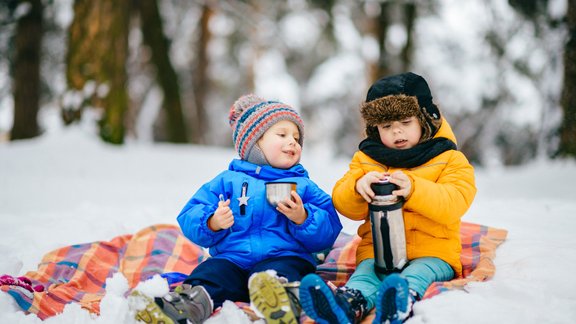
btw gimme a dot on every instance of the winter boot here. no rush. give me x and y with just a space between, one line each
324 306
147 309
186 304
394 300
293 292
269 297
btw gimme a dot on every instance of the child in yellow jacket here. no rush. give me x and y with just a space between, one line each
410 144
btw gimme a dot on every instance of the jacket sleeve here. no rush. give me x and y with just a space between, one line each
321 228
446 200
193 218
347 200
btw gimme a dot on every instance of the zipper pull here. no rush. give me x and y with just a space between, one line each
243 200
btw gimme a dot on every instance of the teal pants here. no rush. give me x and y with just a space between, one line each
420 274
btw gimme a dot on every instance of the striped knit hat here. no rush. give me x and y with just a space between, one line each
251 116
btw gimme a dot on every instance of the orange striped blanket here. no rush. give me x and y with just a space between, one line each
78 273
479 245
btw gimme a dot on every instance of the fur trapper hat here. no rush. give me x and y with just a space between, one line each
398 97
250 117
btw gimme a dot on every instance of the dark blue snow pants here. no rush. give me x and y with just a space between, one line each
225 280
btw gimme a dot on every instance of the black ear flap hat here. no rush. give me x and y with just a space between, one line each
398 97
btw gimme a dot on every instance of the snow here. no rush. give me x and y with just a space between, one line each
67 187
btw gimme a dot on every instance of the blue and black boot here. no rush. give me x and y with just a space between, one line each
345 305
394 300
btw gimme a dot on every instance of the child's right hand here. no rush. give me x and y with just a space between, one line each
222 218
363 184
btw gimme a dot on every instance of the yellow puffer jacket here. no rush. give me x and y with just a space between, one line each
442 191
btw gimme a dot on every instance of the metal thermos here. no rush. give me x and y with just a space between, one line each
388 234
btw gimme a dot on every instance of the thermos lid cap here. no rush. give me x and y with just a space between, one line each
383 188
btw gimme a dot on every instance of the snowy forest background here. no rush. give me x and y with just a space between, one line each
168 71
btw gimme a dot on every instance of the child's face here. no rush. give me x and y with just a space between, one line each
401 134
280 145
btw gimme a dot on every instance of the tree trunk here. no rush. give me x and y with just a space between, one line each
116 103
379 28
254 37
568 101
96 64
79 66
410 15
200 82
154 37
28 40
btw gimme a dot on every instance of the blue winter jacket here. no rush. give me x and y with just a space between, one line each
260 232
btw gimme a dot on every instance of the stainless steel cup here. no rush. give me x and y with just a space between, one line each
279 191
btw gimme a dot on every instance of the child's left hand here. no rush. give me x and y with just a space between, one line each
400 179
293 208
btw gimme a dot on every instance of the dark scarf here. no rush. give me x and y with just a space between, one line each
409 158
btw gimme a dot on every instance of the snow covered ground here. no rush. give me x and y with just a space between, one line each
67 187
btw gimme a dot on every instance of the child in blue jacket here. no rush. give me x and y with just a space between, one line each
245 234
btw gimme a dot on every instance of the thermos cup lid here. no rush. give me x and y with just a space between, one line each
383 188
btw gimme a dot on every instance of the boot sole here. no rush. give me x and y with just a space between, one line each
392 304
152 313
270 298
318 302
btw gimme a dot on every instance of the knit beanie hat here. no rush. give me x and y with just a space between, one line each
398 97
250 117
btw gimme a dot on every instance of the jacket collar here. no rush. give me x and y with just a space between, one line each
267 172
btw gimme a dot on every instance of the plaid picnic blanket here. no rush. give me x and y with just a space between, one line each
78 273
479 243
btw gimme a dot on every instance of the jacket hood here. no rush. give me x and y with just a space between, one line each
445 131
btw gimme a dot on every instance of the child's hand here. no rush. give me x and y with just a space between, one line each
293 208
222 218
363 184
400 179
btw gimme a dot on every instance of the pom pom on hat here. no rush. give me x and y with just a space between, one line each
397 97
251 116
